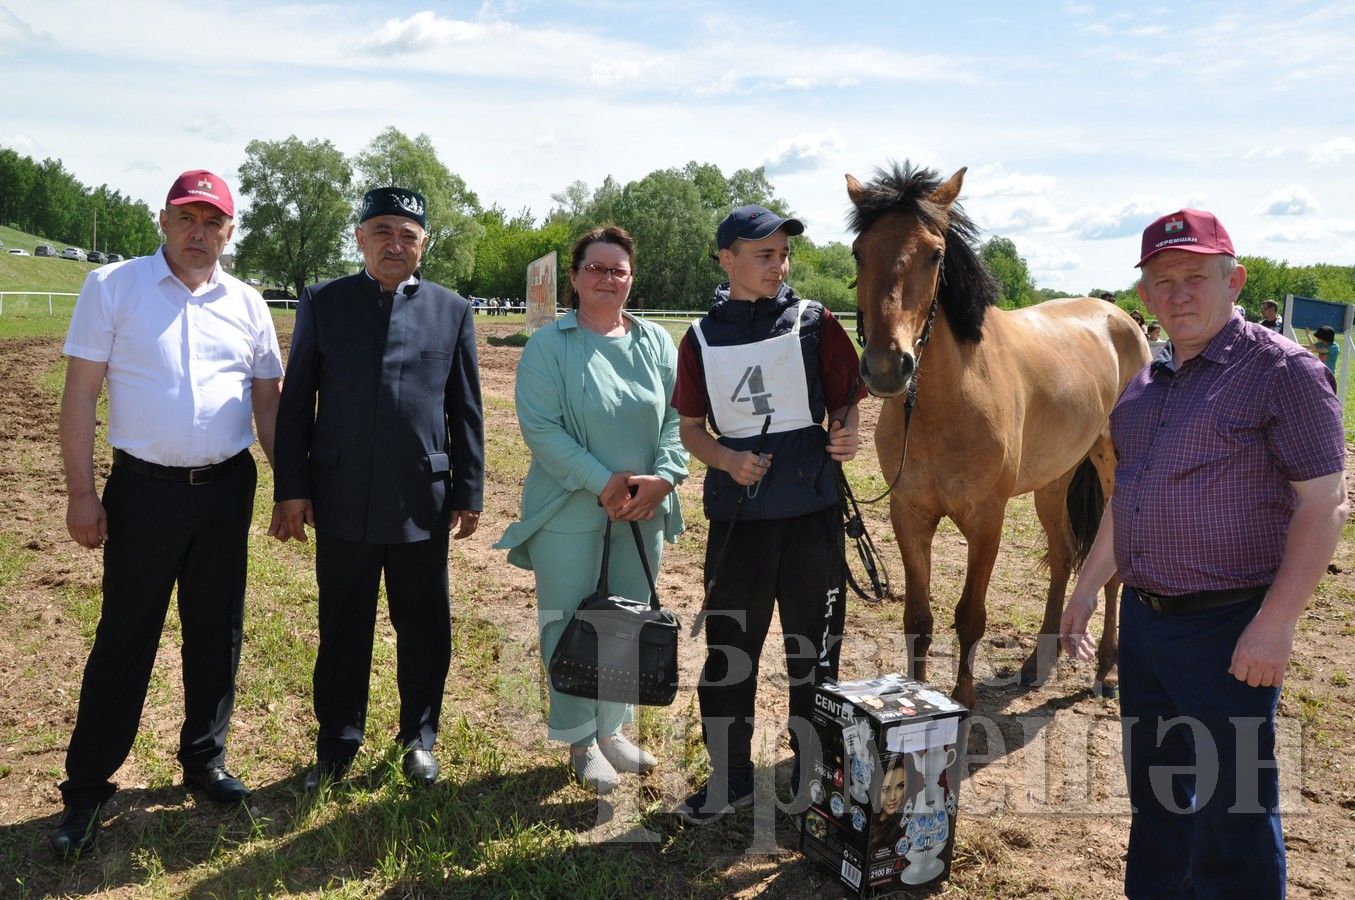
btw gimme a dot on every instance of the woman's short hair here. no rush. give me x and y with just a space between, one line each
603 234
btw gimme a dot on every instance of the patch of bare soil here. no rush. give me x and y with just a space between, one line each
1042 811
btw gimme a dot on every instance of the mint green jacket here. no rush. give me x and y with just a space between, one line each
565 478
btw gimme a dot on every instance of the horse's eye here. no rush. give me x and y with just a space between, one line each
856 256
937 256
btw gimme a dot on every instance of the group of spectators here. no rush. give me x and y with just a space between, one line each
497 306
376 440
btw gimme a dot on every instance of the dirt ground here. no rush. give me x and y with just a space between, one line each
1042 810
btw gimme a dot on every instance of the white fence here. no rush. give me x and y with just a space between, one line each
20 302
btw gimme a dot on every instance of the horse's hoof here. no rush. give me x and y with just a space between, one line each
1031 675
1105 690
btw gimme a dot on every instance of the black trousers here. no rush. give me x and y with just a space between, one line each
795 564
348 574
163 533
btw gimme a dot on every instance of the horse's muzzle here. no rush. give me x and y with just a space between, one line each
887 374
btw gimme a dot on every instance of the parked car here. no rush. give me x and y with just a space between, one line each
114 257
44 250
95 256
17 251
74 253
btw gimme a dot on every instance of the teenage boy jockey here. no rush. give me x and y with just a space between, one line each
764 359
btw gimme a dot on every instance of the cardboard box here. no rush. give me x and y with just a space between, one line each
885 782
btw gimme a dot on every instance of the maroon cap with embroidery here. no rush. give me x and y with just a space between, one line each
201 186
1192 230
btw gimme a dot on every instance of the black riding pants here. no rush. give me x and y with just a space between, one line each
796 565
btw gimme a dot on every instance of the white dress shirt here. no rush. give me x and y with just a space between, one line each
181 363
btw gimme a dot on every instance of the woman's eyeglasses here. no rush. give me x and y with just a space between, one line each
600 270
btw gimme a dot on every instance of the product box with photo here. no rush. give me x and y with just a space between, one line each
884 782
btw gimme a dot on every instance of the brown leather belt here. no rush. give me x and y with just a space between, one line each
190 474
1199 600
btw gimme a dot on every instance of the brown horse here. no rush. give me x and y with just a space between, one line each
1007 402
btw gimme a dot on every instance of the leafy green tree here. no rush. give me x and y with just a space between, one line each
54 200
17 176
674 235
393 158
298 215
508 246
823 273
1009 268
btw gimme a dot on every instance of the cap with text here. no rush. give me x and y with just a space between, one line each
1192 230
752 223
394 201
201 186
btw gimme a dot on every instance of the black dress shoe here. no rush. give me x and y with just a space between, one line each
76 831
420 767
218 784
326 770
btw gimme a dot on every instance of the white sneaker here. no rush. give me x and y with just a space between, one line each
625 756
591 768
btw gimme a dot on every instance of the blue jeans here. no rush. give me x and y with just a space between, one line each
1199 757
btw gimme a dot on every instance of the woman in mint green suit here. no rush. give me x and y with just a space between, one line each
592 395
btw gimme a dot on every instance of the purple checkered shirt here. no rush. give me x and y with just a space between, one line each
1206 456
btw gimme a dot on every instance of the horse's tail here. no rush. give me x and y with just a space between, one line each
1086 502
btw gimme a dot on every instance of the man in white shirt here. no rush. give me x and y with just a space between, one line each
188 353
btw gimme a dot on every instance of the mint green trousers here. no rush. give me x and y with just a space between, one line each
566 566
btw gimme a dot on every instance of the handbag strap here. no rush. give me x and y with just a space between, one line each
644 562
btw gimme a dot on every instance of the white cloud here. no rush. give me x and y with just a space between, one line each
1264 152
1294 200
1008 218
1104 224
993 180
1309 231
15 31
804 152
1046 259
547 140
427 30
209 127
21 144
1332 151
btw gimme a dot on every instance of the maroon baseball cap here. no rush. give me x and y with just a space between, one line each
201 186
1192 230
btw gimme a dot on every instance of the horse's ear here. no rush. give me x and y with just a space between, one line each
855 190
947 193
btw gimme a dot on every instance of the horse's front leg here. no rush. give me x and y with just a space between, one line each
914 531
971 618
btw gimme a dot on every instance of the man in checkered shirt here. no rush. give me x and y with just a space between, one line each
1229 501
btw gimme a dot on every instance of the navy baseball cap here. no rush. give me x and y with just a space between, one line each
752 223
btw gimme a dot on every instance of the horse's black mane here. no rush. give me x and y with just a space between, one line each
967 288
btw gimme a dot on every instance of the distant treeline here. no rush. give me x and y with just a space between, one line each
299 201
42 198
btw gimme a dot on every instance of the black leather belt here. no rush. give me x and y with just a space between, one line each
1200 599
189 474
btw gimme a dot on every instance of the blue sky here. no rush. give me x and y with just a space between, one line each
1080 122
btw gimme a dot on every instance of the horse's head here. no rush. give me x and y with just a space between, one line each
913 248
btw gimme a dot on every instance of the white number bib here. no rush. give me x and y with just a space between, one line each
748 382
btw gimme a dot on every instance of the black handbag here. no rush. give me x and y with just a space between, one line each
619 649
